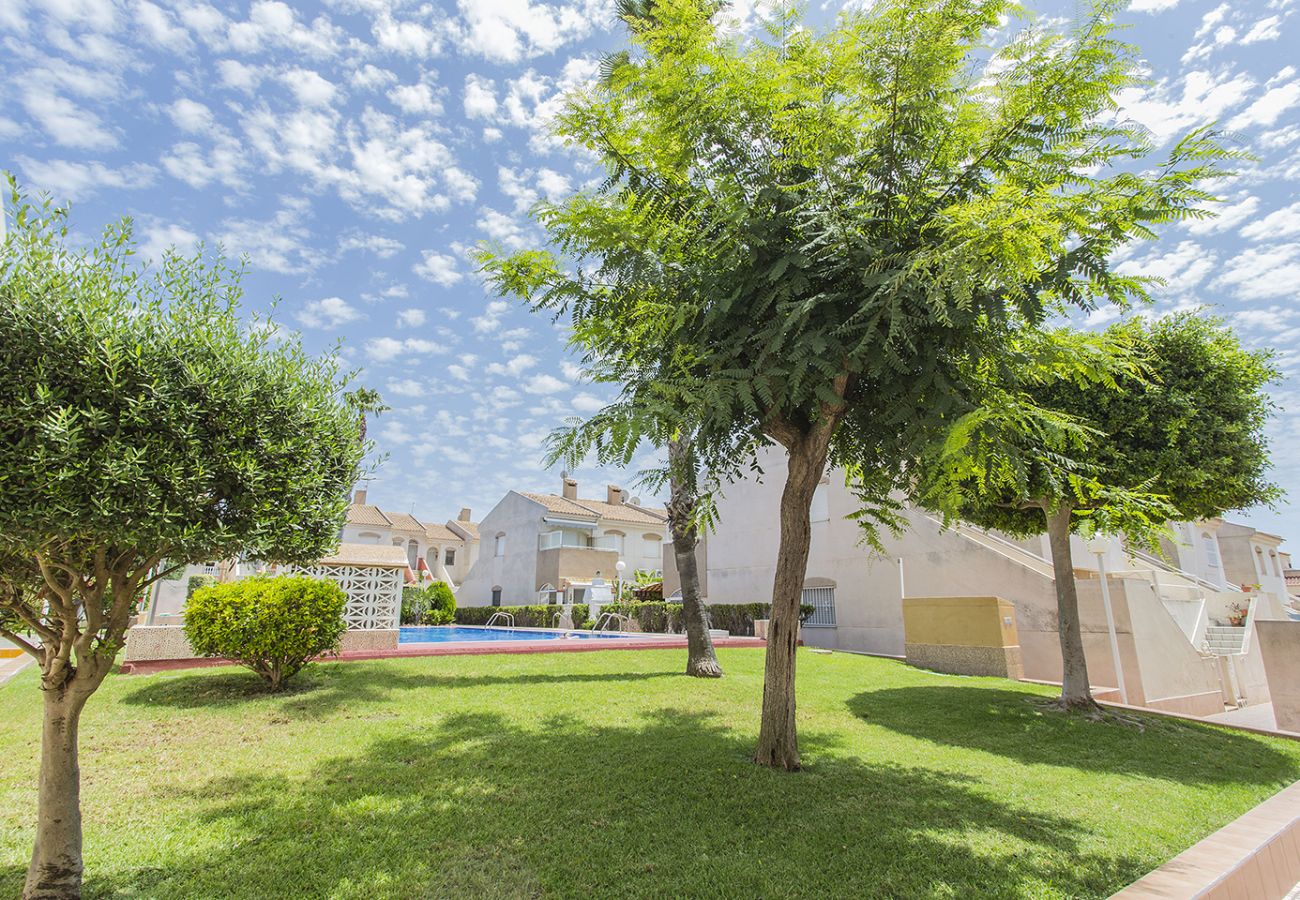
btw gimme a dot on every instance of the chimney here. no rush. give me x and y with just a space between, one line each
613 495
464 514
569 489
359 498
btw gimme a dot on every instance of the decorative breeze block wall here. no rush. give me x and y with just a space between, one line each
374 593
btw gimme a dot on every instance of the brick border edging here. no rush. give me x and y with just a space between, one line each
452 648
1256 855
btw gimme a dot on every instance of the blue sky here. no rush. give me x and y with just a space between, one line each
356 149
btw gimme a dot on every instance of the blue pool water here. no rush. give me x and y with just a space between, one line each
442 634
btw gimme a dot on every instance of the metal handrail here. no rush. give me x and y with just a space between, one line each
508 617
618 619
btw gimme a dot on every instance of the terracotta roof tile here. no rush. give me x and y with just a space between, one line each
561 505
441 533
622 512
364 514
405 521
379 555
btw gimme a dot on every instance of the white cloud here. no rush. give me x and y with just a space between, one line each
490 319
405 387
1182 267
383 247
1263 272
440 268
68 180
1152 6
480 97
1266 109
508 30
329 312
309 87
1229 216
370 77
156 237
459 371
67 123
394 432
415 99
515 366
411 318
387 349
544 384
587 403
240 76
272 24
279 244
407 38
1168 108
1281 223
160 27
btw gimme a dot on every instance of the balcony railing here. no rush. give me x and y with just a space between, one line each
553 540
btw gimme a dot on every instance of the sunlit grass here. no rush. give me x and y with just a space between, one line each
608 774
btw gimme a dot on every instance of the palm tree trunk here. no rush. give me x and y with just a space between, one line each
1075 691
701 659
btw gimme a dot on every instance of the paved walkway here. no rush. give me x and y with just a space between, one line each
1258 716
11 666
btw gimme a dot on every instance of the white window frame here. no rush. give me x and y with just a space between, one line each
823 598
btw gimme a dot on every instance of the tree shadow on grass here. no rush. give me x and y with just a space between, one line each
670 806
1022 727
321 688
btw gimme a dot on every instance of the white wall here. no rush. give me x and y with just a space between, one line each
520 519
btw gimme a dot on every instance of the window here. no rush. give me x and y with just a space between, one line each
1211 550
616 541
1276 569
413 554
496 596
369 537
431 558
500 549
822 600
450 558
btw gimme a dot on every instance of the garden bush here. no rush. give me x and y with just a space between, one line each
274 626
535 616
431 604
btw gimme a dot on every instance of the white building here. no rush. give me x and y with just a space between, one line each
1179 649
443 552
546 548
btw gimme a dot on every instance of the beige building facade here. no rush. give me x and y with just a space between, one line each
434 551
549 548
1178 647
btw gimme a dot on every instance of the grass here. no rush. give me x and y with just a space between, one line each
608 774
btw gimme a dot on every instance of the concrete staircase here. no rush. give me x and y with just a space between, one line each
1224 640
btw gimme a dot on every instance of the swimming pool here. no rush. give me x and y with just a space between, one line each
445 634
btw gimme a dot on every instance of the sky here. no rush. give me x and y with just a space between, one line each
355 151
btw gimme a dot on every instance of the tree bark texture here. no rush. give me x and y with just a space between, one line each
1075 691
778 744
701 659
55 870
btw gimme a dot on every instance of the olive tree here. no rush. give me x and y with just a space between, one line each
1171 427
144 425
812 239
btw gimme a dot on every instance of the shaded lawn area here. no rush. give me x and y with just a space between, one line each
608 774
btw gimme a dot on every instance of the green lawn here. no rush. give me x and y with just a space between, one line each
608 774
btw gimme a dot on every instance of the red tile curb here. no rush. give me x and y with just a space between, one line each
451 648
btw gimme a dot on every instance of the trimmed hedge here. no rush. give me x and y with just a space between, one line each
271 625
431 604
657 618
536 616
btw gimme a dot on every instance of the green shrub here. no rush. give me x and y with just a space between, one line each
738 618
198 582
274 626
535 616
431 604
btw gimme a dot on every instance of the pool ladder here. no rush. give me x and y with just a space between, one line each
620 621
506 617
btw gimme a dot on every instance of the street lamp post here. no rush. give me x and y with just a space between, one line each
620 567
1098 546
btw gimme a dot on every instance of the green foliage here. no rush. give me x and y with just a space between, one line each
1175 431
532 616
142 418
274 626
431 604
198 582
817 238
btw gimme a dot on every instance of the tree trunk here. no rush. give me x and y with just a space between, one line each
778 745
55 870
701 660
1075 691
